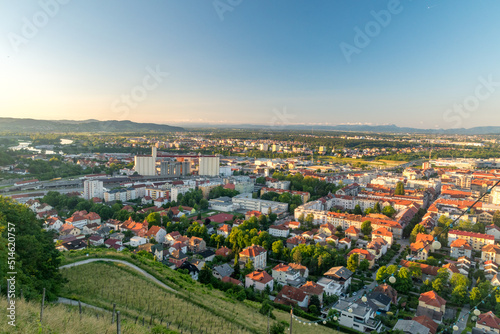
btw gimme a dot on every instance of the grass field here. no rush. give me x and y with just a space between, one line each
103 284
378 163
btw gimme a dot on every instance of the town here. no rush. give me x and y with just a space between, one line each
391 235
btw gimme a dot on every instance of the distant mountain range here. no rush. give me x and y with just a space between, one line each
391 128
90 125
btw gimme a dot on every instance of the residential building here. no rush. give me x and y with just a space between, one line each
93 188
222 271
259 279
476 240
432 305
209 166
488 322
279 231
290 295
459 248
491 253
255 253
359 316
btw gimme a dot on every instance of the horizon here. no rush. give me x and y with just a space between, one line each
425 65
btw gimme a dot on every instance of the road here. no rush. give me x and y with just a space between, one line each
143 272
67 301
462 323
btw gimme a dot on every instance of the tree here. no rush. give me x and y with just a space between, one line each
459 294
154 218
277 328
36 258
314 301
205 275
416 230
400 189
438 285
381 274
388 210
364 265
415 270
496 218
352 262
475 296
403 280
366 227
377 208
301 218
458 279
277 248
357 210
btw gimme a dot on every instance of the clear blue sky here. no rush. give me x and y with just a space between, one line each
264 55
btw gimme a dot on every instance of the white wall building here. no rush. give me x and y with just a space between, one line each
93 188
209 166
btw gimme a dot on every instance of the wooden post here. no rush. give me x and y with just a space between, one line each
43 302
113 315
118 326
291 319
80 309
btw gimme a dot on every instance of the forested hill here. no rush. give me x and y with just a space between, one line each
92 125
35 256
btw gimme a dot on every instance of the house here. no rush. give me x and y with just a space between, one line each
136 241
308 235
359 316
69 229
320 237
76 244
77 220
452 269
96 240
114 224
252 213
293 225
387 290
459 248
293 242
491 253
139 229
427 322
488 322
476 240
420 249
178 246
172 237
352 232
377 247
279 231
93 218
493 230
464 264
224 230
53 223
380 299
91 229
193 271
222 271
157 233
231 280
490 268
206 255
411 327
223 251
177 258
303 270
290 295
159 251
328 229
259 279
256 254
383 233
340 275
313 289
284 274
432 305
495 281
363 254
196 245
115 244
332 239
344 243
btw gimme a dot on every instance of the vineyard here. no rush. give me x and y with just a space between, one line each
194 308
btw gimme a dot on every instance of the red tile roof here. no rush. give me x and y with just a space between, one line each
471 234
260 276
489 319
432 298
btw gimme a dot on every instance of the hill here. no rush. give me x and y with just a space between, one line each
8 124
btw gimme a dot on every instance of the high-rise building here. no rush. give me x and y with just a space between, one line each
209 166
93 188
146 164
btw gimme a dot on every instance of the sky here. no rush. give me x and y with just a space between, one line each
420 63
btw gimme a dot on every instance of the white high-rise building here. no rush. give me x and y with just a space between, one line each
209 166
146 164
93 188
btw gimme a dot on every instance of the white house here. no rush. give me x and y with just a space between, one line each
157 233
137 241
279 231
283 273
259 279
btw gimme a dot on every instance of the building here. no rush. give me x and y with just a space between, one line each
363 254
146 165
286 275
459 248
209 166
488 322
93 188
259 279
246 202
411 327
222 271
175 168
359 316
256 254
432 305
476 240
491 253
340 275
279 231
290 295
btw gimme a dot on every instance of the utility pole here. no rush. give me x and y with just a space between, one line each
291 319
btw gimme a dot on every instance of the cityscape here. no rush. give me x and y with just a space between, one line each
250 167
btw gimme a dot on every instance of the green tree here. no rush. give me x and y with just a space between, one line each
381 274
357 210
277 248
377 208
475 296
438 285
314 301
400 189
459 294
154 218
277 328
403 280
36 258
458 279
366 227
388 210
205 275
352 262
364 265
